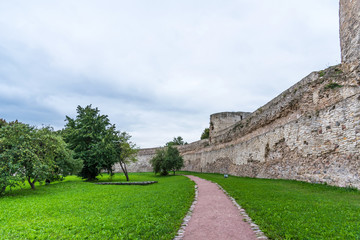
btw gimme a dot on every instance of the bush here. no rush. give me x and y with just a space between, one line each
205 134
167 159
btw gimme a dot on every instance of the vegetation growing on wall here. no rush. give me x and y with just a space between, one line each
332 85
205 134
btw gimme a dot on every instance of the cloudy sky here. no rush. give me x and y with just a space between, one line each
157 68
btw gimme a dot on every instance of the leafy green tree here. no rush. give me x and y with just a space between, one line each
22 154
173 160
205 134
32 155
9 157
167 159
89 136
176 141
2 122
97 142
55 147
157 162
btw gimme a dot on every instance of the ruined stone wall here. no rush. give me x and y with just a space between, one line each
143 161
350 30
310 132
221 121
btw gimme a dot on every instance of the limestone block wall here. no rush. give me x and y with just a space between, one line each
350 30
221 121
143 161
310 132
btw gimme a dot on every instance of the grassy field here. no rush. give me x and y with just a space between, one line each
74 209
295 210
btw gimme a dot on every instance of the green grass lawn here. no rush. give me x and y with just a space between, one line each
74 209
295 210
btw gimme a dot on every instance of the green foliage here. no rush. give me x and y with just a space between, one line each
173 160
2 122
157 162
33 155
90 135
321 73
10 151
332 85
295 210
167 159
97 142
205 134
338 71
73 209
176 141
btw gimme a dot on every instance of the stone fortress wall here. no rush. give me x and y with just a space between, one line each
221 121
349 30
310 132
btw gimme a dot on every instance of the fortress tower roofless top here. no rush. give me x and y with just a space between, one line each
350 31
349 14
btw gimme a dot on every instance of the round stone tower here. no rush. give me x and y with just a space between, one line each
350 31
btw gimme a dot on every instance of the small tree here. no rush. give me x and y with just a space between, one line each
167 159
157 162
176 141
126 152
173 160
205 134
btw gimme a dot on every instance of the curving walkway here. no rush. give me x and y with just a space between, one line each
215 216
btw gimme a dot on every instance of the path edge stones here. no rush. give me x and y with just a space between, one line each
180 234
259 234
181 231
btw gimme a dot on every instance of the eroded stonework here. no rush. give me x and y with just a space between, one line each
350 30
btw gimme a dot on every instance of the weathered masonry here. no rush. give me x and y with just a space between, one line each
350 30
310 132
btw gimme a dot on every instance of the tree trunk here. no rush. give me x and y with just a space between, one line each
32 183
3 189
126 174
124 170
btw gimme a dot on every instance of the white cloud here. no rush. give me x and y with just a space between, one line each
158 68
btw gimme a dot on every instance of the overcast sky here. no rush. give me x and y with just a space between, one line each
158 69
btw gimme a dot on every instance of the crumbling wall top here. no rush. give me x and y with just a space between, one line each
349 13
220 121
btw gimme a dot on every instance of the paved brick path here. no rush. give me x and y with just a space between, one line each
215 216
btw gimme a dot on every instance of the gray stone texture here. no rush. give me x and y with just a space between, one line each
350 30
219 122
